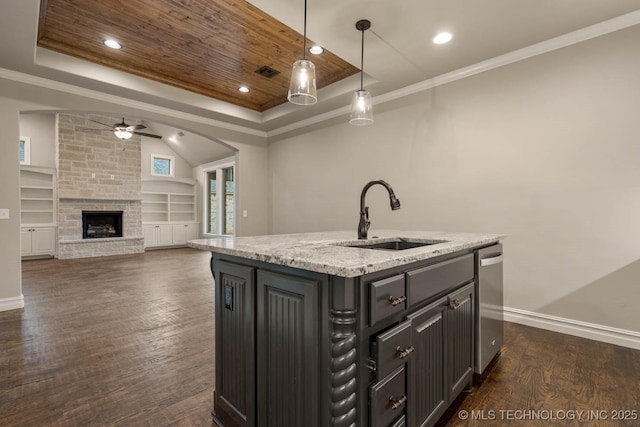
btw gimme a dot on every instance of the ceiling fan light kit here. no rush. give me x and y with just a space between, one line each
122 132
302 86
125 131
362 103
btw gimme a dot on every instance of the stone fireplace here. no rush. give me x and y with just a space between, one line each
98 178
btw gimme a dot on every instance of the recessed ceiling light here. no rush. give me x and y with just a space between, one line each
111 43
442 38
316 50
243 89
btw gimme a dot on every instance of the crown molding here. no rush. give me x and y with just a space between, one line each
615 24
101 96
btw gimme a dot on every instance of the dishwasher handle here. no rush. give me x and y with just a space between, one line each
484 262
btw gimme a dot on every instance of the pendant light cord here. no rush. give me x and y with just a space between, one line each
361 63
304 40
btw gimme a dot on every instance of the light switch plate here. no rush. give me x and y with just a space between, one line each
4 213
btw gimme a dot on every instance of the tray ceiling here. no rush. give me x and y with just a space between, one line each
210 47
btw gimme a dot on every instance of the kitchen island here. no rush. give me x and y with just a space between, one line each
324 329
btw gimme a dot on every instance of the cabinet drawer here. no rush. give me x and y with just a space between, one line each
388 400
393 349
386 297
427 282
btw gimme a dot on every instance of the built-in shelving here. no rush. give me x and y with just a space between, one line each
168 211
37 195
38 230
168 200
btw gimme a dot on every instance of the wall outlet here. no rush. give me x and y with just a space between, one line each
113 177
244 214
4 213
93 175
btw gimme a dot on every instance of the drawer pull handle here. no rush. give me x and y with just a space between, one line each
404 352
397 301
454 304
397 403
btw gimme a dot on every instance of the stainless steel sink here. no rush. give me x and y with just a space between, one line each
399 244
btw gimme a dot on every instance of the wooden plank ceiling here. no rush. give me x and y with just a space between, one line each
210 47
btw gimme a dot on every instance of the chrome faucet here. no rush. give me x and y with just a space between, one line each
364 224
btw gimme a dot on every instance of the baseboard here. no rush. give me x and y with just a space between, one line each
621 337
12 303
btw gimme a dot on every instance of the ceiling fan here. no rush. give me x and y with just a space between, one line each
125 131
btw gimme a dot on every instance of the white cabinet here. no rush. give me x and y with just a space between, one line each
182 233
173 234
157 235
168 211
38 241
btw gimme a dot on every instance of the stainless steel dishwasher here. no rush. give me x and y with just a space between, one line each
489 303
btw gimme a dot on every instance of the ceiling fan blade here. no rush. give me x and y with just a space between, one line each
138 127
150 135
94 130
100 123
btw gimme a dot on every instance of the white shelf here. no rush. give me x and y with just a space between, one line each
37 195
165 200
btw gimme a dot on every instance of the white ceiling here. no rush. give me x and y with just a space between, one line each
398 48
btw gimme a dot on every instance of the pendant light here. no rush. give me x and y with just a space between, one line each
362 104
302 86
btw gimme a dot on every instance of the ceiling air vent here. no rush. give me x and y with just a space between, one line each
267 72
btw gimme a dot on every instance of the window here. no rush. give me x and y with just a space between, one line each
220 197
25 150
162 165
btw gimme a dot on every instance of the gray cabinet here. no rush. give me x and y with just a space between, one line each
460 333
296 348
234 399
432 343
287 326
427 389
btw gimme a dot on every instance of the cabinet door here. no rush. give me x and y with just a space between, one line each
165 235
426 378
192 231
25 241
234 401
150 235
287 325
43 240
460 311
180 233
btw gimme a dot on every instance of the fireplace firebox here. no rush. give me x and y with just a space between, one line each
101 224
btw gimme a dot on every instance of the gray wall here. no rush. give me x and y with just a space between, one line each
41 128
545 150
150 146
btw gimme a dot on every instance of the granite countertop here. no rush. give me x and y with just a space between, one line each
326 252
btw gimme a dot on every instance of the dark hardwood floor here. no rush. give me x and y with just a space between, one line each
128 341
561 379
122 340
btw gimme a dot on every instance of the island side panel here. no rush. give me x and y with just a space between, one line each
287 326
234 396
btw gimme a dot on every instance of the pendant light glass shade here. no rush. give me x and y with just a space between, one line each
302 86
362 104
361 108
